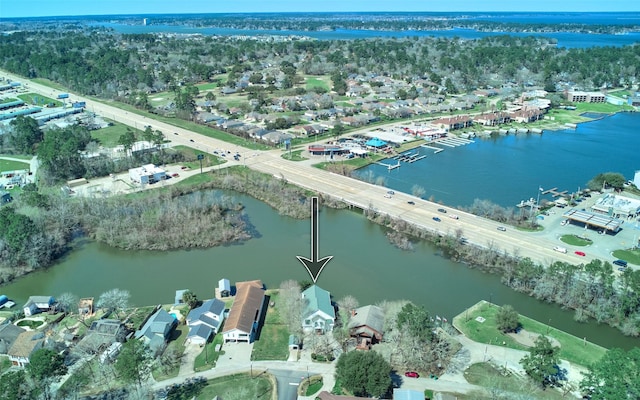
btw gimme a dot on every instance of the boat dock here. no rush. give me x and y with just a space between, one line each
389 166
436 150
554 192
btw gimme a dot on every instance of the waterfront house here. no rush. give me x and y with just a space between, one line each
246 313
8 334
24 346
224 287
492 119
205 321
366 326
452 123
38 304
157 330
319 315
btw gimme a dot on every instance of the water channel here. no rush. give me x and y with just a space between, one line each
365 265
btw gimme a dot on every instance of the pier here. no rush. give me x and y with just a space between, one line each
436 150
389 166
554 192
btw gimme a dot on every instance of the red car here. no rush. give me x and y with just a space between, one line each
175 175
580 253
411 374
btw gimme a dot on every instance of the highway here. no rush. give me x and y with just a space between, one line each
477 231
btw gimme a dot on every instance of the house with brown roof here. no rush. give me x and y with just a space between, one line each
8 334
246 312
452 123
24 346
366 325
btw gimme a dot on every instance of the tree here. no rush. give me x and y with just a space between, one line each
127 140
46 367
338 130
67 302
190 298
507 319
417 191
114 300
614 376
416 321
291 305
607 180
541 364
133 364
32 197
364 373
13 386
25 134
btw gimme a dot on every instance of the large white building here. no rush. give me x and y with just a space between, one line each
147 174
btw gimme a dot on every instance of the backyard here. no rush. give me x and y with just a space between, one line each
273 343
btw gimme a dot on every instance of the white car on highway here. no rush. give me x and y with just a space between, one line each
560 249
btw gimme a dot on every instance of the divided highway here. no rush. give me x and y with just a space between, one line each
478 231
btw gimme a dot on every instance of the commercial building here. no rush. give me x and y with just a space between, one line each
147 174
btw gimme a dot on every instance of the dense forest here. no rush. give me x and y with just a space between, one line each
110 65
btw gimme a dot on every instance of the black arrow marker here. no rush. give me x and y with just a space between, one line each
313 265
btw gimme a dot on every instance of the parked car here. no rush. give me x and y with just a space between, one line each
501 228
453 216
391 192
411 374
437 219
580 253
411 202
442 210
621 263
560 249
175 175
386 195
564 222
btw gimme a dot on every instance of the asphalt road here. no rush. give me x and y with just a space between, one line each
478 231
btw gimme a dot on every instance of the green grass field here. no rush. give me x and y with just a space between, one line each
177 344
488 376
207 86
209 356
109 136
632 256
192 126
239 386
317 81
575 240
10 165
573 349
38 100
274 337
294 156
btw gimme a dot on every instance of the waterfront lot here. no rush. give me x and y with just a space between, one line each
573 349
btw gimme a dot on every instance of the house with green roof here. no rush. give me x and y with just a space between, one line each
319 315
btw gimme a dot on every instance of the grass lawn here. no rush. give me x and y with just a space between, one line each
239 386
192 126
294 156
630 256
207 86
209 356
273 343
137 315
576 240
38 99
572 349
109 136
316 81
18 156
488 376
191 153
51 84
10 165
176 343
311 386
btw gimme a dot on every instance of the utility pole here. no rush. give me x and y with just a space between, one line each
200 157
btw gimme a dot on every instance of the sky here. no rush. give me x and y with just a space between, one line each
40 8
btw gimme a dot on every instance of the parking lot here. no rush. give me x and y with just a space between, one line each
603 244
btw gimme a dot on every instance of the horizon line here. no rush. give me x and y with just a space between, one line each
323 12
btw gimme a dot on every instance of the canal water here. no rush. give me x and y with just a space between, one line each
365 265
